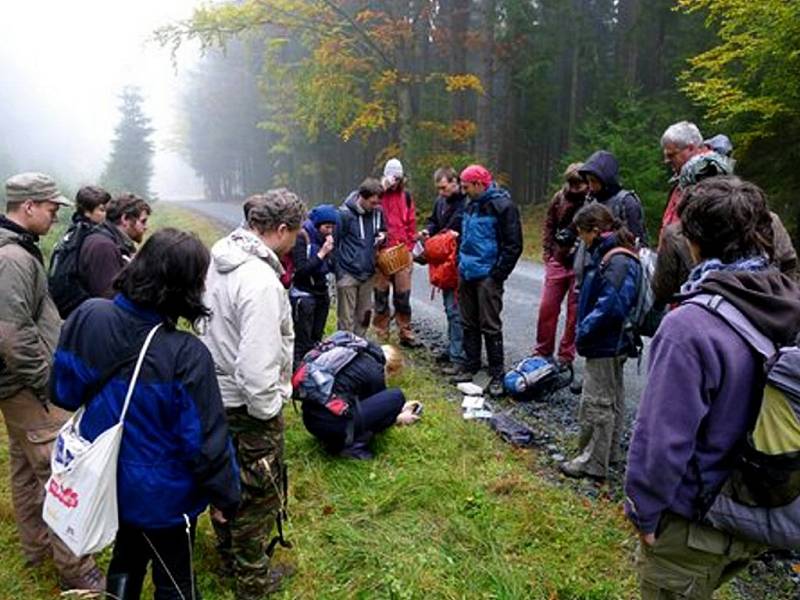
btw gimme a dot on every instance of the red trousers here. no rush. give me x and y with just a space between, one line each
559 281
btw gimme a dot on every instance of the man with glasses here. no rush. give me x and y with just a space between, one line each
447 212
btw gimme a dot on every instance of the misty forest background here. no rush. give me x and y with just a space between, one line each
317 94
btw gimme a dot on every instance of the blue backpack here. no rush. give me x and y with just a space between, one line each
534 378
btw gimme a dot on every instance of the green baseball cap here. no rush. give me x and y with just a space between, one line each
37 187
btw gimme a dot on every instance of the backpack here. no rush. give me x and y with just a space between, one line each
314 378
617 207
63 278
645 317
534 378
760 500
440 252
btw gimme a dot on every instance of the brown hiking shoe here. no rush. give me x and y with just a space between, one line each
94 580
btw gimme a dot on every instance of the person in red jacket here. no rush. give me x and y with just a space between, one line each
401 225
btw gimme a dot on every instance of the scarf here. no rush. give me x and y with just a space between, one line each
701 271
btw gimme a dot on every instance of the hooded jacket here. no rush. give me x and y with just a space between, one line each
608 294
623 204
355 239
103 255
703 393
491 238
560 212
176 456
29 321
447 214
250 333
311 271
400 213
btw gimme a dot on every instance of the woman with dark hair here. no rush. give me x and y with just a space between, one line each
176 456
705 386
608 293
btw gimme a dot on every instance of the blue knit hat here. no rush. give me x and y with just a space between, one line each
323 213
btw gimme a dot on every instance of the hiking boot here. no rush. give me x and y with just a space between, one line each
409 341
576 387
575 471
277 575
463 376
442 357
94 580
496 388
454 369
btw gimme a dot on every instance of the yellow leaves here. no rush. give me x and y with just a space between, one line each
373 116
462 83
456 131
385 81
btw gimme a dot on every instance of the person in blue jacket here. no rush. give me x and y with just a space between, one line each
608 294
491 244
176 456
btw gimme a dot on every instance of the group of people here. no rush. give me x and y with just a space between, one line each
205 427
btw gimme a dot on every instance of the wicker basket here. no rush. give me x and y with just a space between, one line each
394 259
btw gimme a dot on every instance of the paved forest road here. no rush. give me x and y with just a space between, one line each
521 305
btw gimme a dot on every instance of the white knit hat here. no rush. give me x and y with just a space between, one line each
393 168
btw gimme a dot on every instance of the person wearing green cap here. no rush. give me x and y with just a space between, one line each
29 328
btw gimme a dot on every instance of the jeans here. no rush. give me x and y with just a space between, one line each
455 333
309 314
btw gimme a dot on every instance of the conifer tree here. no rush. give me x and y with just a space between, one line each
130 165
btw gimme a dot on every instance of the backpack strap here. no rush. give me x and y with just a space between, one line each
717 305
617 250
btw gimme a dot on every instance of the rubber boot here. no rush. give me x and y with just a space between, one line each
495 355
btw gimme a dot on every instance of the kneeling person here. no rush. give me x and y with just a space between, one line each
345 399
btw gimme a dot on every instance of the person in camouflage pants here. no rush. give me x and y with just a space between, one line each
253 346
246 543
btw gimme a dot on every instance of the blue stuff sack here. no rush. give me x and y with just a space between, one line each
531 379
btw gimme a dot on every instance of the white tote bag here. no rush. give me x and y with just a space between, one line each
80 503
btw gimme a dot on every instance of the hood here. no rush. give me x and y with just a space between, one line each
493 192
770 299
240 246
603 165
352 203
313 233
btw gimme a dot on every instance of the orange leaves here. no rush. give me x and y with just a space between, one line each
457 131
373 116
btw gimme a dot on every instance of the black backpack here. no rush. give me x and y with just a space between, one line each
63 279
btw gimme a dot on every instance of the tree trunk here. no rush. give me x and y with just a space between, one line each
484 140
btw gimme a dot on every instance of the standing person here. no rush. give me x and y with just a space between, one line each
559 279
679 143
491 244
607 295
361 231
401 228
113 243
448 209
29 327
704 390
65 280
313 259
601 171
176 455
251 339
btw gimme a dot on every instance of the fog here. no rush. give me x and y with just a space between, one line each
62 66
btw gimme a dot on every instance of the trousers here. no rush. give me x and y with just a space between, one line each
353 304
309 314
559 282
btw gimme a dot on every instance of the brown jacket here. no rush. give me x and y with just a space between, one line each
29 321
675 260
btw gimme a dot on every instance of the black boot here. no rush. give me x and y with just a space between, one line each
494 352
472 350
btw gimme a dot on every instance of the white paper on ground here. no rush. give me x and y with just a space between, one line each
469 389
479 413
472 402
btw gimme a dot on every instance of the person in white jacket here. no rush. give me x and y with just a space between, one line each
251 338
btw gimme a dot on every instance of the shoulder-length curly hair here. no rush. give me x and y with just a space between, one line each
167 275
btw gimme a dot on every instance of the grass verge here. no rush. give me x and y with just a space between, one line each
444 511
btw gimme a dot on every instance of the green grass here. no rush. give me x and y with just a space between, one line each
444 511
532 220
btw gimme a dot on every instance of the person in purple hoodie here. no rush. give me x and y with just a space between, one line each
703 392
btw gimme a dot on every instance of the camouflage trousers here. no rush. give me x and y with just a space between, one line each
246 543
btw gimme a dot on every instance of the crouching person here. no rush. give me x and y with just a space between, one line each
607 295
251 338
176 455
345 399
704 390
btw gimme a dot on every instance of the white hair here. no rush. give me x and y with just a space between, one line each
682 134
